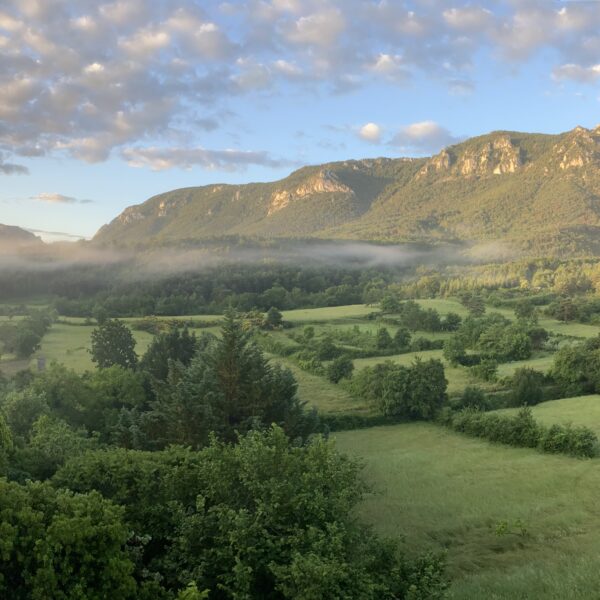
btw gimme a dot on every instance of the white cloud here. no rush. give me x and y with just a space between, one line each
577 73
319 29
423 137
54 198
86 78
469 18
371 132
94 68
392 67
160 159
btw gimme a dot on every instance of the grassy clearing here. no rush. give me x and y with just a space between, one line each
326 397
329 313
69 344
541 363
579 410
444 306
445 491
578 330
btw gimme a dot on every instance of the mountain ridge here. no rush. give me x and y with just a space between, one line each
12 236
539 193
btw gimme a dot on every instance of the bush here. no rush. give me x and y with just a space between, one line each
486 370
523 431
472 397
527 387
566 439
340 368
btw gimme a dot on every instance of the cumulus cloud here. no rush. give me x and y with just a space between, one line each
577 73
423 137
370 132
54 198
159 159
87 78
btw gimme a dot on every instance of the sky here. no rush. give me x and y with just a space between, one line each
103 105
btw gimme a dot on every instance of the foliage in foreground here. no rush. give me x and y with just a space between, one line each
264 518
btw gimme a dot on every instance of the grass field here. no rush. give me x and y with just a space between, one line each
317 391
580 410
329 313
444 306
69 344
444 491
541 363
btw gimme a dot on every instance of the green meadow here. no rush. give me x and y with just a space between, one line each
515 523
580 410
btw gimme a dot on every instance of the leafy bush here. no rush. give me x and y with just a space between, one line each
522 430
340 368
567 439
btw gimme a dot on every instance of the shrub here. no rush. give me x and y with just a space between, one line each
523 431
527 387
340 368
566 439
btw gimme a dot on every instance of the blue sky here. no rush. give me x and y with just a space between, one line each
103 105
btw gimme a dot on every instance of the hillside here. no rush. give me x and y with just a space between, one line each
534 193
12 237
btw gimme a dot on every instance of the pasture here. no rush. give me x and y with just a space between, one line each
580 410
515 523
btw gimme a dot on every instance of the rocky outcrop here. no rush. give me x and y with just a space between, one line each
130 215
495 157
440 162
580 148
322 183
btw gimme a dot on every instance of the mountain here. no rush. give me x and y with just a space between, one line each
531 193
12 237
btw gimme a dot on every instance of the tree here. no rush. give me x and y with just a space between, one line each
6 445
113 344
473 303
177 345
524 309
566 310
51 443
326 349
389 304
526 387
451 322
576 369
229 386
383 339
415 392
486 370
473 398
26 342
427 388
341 367
455 350
273 319
57 544
402 338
